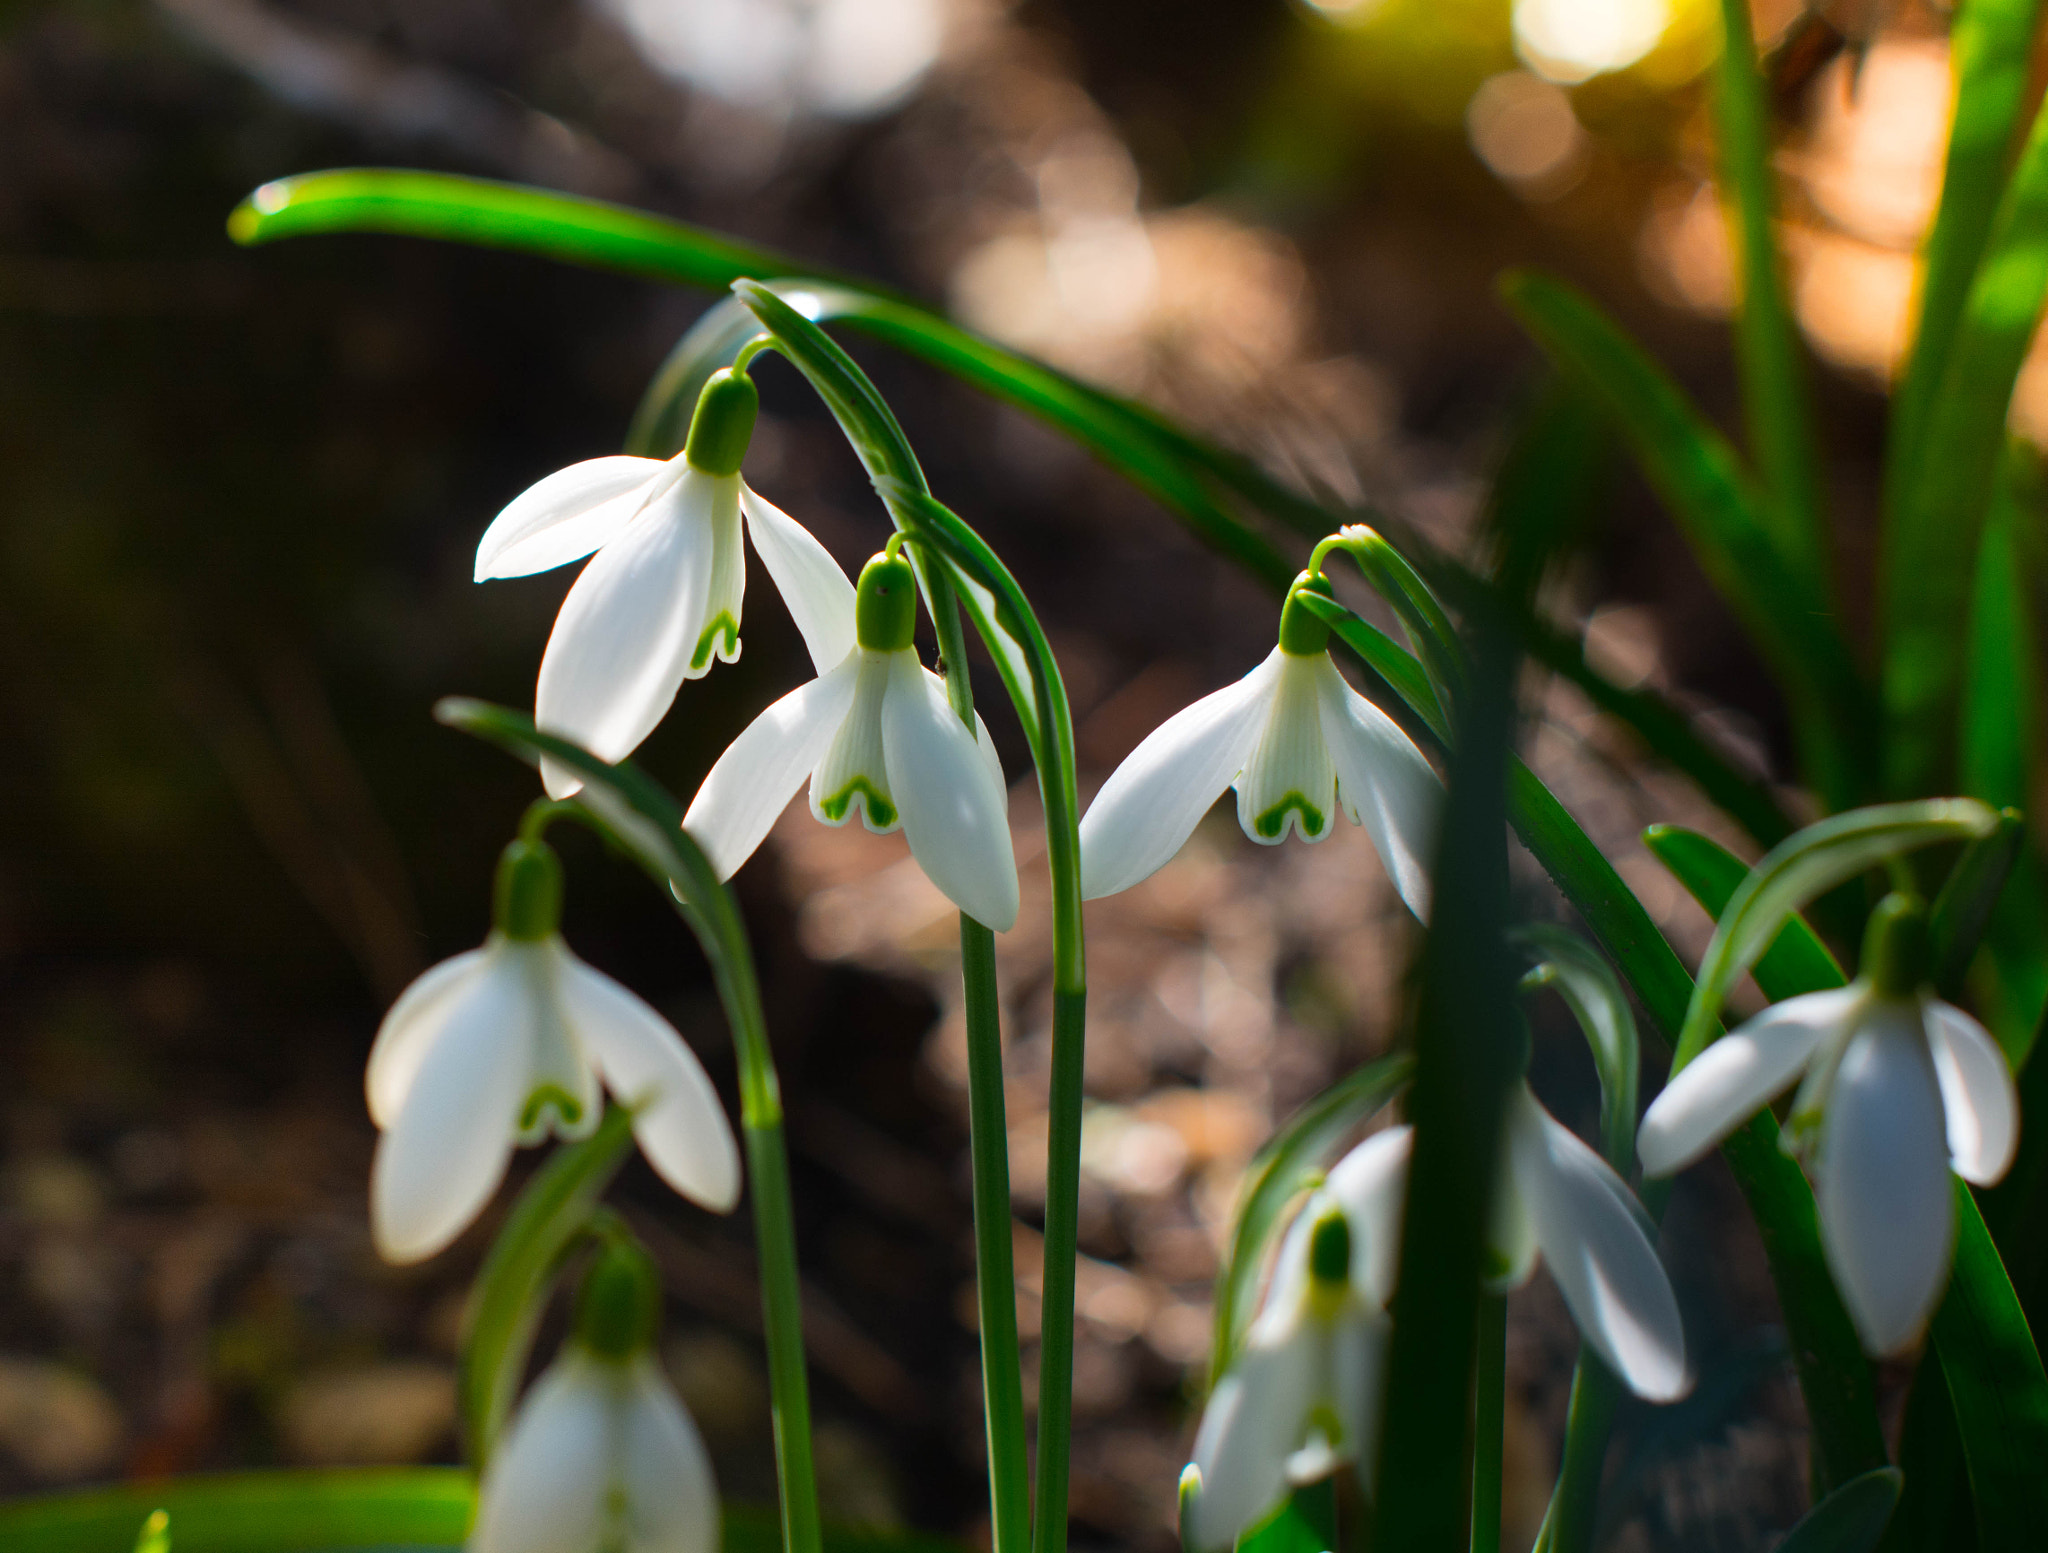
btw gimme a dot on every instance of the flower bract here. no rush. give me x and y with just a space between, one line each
876 736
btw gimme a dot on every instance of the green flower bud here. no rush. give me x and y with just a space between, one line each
723 424
528 901
885 605
1896 952
618 1309
1302 635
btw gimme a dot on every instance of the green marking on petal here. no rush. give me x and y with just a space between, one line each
1494 1267
567 1108
879 810
724 626
1274 820
1323 1420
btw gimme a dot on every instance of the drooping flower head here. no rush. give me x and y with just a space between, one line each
513 1041
877 737
601 1456
660 601
1298 743
1896 1089
1303 1397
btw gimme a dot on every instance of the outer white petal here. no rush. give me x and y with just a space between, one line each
1977 1095
1604 1264
546 1488
409 1030
1358 1348
819 596
983 744
680 1124
445 1152
566 516
622 643
1152 802
1887 1209
1512 1246
1371 1184
954 812
1251 1426
1384 784
671 1497
1732 1079
761 770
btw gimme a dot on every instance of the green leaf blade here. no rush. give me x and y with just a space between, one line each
1852 1519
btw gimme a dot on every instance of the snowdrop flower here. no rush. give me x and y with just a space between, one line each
1298 743
1557 1200
508 1043
1899 1087
601 1457
661 599
875 735
1303 1396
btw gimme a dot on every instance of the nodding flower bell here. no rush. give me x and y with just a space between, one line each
1304 1395
876 735
1559 1200
601 1456
1297 742
508 1043
661 599
1898 1089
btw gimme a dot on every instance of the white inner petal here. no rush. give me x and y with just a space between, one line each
1288 781
720 636
854 775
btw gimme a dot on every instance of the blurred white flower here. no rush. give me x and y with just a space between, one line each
1559 1200
875 733
510 1042
1899 1087
660 600
1304 1395
1298 743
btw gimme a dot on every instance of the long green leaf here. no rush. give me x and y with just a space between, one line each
1969 895
1774 389
1569 965
2002 689
1721 514
1990 50
1804 866
1850 1520
1290 1161
1709 871
510 1292
1930 543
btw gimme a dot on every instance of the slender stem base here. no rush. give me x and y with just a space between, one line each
782 1310
1489 1406
1002 1386
1062 1229
1569 1524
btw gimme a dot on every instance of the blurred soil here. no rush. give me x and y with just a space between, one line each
239 491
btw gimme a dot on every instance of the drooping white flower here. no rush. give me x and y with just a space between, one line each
1559 1201
1303 1395
1899 1088
512 1041
601 1456
660 601
1298 743
876 735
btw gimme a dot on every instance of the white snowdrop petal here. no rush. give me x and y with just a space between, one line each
718 640
1358 1349
953 811
1371 1183
1512 1244
1605 1265
1735 1077
677 1118
1152 803
671 1496
408 1031
566 516
445 1151
1978 1101
1251 1426
623 640
759 773
1887 1210
1384 783
1288 782
853 776
818 593
546 1488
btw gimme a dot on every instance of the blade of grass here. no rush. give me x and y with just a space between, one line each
2001 705
1850 1520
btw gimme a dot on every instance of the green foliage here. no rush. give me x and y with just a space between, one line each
1850 1520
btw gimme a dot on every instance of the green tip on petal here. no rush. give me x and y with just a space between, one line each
155 1536
723 424
1329 1249
529 892
1895 947
1302 635
1190 1490
885 604
618 1310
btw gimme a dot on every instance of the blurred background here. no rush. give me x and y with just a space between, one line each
239 495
